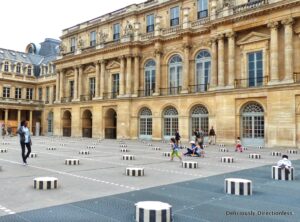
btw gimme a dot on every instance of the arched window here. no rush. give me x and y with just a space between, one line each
203 71
29 70
145 124
149 78
18 69
6 67
175 75
199 119
253 124
170 122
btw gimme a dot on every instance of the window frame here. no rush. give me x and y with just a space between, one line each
150 27
92 38
72 44
174 21
29 93
116 35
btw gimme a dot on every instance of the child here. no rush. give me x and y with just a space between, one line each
175 149
238 146
285 163
191 150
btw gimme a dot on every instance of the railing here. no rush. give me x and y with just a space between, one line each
145 93
251 82
86 98
200 22
249 5
22 101
147 36
198 88
110 95
170 91
66 99
297 77
172 30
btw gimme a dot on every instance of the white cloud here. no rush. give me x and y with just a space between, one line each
26 21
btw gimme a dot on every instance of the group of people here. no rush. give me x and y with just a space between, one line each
5 131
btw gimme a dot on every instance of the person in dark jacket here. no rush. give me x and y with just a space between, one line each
25 140
177 137
212 136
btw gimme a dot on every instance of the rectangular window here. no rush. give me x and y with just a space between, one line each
6 92
150 23
54 93
255 69
29 93
47 94
6 67
73 44
29 70
93 39
116 36
92 87
40 92
18 93
115 85
174 16
72 89
202 9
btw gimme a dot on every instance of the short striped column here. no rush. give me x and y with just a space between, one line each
91 147
254 156
245 148
260 147
33 155
51 148
227 159
84 152
123 145
204 146
292 151
135 172
45 183
167 154
279 173
62 144
150 144
156 148
163 141
224 150
221 145
153 211
72 162
3 150
5 143
189 164
276 154
128 157
236 186
124 150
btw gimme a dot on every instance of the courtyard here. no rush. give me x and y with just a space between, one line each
98 189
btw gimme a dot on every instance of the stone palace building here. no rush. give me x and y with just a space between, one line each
149 69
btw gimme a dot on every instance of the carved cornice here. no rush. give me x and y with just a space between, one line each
273 25
230 34
288 21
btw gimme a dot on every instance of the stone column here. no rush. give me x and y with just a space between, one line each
129 75
186 21
231 59
97 80
213 9
50 95
6 117
214 64
158 55
61 85
186 69
76 84
122 77
136 75
43 94
274 74
288 50
57 87
19 117
80 73
12 92
30 121
157 31
221 73
102 78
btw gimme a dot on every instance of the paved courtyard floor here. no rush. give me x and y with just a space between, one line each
98 189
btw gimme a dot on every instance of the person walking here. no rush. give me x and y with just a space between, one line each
177 137
25 140
175 149
3 131
212 136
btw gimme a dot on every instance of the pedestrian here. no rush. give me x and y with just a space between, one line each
238 145
3 131
175 149
212 136
177 137
25 140
9 131
285 163
200 138
190 150
196 134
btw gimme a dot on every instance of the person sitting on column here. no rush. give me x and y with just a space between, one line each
238 145
285 163
190 150
199 151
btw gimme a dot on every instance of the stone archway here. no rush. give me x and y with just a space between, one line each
111 124
67 123
87 124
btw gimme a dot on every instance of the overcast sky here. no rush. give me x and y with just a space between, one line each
26 21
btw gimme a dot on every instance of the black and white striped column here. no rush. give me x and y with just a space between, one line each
62 144
33 155
292 151
282 174
156 148
260 147
189 164
51 148
221 145
124 150
245 148
45 183
153 211
224 150
236 186
135 171
150 144
227 159
72 162
84 152
123 145
91 147
276 154
254 156
3 150
128 157
167 154
5 143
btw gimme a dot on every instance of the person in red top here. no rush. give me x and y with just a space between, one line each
238 146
